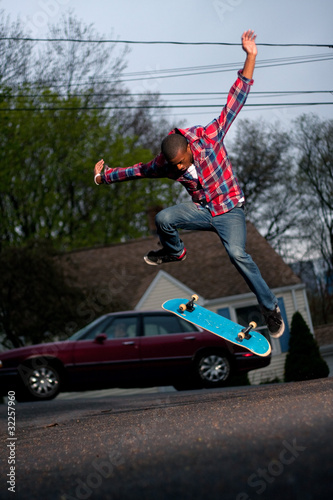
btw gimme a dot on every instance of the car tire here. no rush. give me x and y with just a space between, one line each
213 369
40 381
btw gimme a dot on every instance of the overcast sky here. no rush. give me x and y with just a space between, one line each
283 21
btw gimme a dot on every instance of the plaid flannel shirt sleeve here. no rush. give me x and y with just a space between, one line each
155 168
236 99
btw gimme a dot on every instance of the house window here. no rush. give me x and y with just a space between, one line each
251 313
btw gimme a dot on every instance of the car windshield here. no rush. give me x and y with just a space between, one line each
81 333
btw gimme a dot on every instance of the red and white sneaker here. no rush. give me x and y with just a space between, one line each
157 257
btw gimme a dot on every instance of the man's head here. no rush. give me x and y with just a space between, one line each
177 151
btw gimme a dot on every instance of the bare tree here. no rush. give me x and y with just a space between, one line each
314 142
15 55
80 67
261 156
313 139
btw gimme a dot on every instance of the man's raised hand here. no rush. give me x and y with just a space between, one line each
249 42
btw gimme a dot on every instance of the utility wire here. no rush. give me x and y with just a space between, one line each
227 66
198 70
158 42
212 95
260 64
160 106
209 67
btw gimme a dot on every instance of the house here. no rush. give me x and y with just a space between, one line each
118 273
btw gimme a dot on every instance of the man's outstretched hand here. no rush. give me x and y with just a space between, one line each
249 42
97 170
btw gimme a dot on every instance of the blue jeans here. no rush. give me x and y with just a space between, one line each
230 227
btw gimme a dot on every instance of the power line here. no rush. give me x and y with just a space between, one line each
197 70
222 68
236 65
209 112
160 106
158 42
259 65
213 95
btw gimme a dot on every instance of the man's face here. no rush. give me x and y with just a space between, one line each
183 159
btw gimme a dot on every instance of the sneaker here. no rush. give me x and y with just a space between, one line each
274 321
157 257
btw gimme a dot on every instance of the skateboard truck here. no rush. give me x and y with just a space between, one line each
244 334
190 305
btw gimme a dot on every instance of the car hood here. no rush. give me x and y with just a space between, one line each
50 349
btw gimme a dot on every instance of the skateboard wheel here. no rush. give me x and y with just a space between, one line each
182 307
253 324
195 297
241 336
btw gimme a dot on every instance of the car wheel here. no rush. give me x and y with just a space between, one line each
213 369
39 383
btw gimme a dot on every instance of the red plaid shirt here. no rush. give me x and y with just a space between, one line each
217 185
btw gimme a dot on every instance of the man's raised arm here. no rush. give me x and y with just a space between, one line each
249 45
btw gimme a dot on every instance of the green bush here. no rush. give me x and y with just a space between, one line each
303 361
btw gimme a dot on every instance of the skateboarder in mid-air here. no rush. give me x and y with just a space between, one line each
196 157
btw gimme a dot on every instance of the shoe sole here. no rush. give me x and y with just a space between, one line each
152 263
279 333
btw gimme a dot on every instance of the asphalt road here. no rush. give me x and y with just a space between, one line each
267 442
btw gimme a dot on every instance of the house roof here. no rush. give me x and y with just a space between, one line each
119 270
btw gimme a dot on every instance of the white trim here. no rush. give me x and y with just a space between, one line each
250 296
307 308
231 298
300 286
163 275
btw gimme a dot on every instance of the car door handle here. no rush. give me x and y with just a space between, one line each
189 338
129 342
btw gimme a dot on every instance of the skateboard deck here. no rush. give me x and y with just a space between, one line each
232 332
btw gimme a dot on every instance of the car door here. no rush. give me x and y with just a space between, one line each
110 355
168 344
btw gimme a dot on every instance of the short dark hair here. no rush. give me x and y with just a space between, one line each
172 144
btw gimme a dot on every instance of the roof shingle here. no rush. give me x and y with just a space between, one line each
120 269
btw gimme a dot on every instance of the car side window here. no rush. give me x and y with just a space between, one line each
164 324
122 328
188 327
95 329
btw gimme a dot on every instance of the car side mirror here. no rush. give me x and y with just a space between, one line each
100 338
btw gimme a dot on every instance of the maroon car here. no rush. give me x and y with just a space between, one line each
125 349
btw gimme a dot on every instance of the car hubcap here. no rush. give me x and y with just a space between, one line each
43 381
214 368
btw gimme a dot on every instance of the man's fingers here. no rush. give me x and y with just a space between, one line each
99 166
249 35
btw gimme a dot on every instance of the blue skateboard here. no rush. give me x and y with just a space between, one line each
223 327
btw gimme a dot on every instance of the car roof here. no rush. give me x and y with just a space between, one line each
118 313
